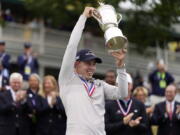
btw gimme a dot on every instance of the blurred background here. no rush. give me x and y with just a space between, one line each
151 26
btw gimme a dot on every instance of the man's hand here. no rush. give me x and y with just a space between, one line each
127 118
119 57
135 122
20 95
88 11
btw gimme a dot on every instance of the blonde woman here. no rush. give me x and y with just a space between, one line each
50 111
141 94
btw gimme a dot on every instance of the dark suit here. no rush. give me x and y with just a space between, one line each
33 66
31 100
160 118
4 82
114 119
4 59
13 118
50 121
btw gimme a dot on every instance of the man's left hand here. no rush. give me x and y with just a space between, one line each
119 57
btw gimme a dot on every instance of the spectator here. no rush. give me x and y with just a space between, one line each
110 77
159 80
167 114
127 116
141 94
4 66
8 16
14 110
4 57
32 94
82 96
138 79
51 117
4 81
27 63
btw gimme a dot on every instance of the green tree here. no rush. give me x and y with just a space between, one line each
142 27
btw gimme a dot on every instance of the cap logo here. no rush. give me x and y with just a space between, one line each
77 57
90 53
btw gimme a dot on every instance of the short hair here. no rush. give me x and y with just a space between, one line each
160 61
111 71
172 85
140 88
16 75
36 76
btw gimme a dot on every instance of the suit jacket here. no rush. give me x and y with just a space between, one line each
160 118
114 119
22 63
13 116
154 79
50 121
5 58
31 100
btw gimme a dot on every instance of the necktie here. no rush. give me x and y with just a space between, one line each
170 111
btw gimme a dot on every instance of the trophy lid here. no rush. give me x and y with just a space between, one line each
101 3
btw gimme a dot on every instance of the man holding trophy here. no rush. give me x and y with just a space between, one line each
82 96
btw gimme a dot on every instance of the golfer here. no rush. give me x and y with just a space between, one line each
84 97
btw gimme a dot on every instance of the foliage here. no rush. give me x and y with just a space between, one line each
142 27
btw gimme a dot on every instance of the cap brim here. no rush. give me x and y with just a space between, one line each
97 59
27 46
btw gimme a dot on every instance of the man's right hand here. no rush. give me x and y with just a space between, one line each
88 11
127 118
20 95
135 122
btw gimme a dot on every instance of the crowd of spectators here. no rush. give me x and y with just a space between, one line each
32 105
146 111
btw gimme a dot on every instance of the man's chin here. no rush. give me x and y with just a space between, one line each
89 77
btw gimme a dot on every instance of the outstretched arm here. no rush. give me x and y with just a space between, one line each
114 92
67 67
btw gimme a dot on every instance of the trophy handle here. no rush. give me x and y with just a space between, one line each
97 16
119 17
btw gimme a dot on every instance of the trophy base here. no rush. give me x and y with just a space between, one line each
115 44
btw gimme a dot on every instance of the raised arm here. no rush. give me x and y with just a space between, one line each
67 67
114 92
120 91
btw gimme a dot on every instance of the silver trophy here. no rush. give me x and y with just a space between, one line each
108 20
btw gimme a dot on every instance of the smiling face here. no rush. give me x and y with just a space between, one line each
34 83
2 48
16 84
49 84
110 77
85 68
170 93
141 96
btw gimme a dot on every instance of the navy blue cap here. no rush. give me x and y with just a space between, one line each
27 45
2 42
87 55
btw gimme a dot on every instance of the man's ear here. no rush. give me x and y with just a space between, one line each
76 63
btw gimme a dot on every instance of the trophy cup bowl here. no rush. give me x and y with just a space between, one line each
108 20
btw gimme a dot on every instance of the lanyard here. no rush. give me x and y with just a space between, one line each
90 89
161 75
121 108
